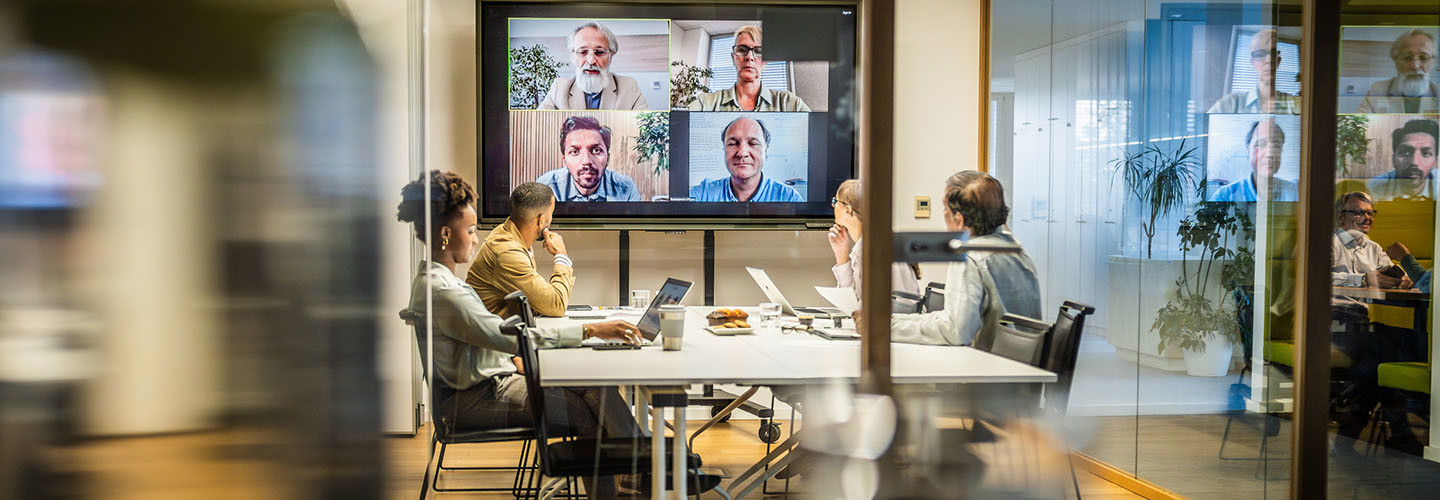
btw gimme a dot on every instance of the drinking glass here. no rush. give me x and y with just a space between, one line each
639 299
770 314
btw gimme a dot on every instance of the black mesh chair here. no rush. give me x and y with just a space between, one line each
448 431
578 457
1062 348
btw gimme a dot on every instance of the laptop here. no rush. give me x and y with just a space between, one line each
772 292
672 292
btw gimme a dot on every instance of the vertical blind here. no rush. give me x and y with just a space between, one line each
1242 73
776 74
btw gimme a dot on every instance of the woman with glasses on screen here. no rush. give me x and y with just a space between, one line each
477 383
748 94
845 242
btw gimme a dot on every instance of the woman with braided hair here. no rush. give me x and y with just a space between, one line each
477 383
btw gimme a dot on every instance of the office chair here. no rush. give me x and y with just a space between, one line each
579 457
1062 349
1410 379
446 432
933 299
1058 353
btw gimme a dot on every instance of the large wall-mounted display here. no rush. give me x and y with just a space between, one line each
665 112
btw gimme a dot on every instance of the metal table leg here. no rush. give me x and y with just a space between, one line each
657 454
681 457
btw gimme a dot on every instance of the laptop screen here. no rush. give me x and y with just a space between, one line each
673 291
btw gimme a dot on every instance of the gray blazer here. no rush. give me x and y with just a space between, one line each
622 92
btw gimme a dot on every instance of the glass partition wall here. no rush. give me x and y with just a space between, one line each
1155 157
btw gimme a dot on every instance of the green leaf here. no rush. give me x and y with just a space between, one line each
653 143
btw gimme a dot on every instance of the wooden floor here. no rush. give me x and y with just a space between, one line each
236 464
732 446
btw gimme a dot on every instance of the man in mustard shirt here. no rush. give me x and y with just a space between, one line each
505 262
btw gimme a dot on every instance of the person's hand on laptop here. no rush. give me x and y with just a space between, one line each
613 330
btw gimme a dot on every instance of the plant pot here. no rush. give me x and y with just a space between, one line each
1215 361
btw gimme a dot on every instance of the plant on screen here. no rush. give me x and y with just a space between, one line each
1197 312
1351 146
532 70
1161 180
687 82
653 144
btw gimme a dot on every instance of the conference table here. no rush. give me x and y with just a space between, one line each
1412 298
768 357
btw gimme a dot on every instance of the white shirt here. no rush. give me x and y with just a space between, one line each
1352 255
847 275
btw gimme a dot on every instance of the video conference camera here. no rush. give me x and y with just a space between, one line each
939 247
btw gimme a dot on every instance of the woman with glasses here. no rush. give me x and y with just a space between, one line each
845 242
748 94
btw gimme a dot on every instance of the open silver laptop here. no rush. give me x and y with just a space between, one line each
772 292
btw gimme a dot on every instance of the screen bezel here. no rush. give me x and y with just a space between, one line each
493 127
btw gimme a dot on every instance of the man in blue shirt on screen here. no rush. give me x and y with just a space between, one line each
585 176
1265 141
746 143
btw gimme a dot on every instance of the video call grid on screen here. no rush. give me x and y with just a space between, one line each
809 152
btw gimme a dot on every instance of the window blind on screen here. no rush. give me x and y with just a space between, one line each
776 74
1242 73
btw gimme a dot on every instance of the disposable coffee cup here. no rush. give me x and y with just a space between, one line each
672 326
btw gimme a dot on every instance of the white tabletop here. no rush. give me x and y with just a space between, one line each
768 357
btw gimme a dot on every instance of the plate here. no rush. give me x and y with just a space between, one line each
729 331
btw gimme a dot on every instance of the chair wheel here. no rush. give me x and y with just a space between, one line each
769 432
715 410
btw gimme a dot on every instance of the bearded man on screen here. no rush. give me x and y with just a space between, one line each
592 48
1411 90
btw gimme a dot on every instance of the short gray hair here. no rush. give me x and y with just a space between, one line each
1352 195
609 36
1399 44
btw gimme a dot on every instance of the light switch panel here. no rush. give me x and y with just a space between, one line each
922 207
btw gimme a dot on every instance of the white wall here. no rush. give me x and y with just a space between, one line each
384 29
937 99
154 148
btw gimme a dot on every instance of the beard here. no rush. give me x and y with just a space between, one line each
1411 85
588 177
589 83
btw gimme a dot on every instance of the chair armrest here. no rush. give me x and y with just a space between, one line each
1019 320
411 317
512 326
1084 309
905 295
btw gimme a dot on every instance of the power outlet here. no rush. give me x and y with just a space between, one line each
922 207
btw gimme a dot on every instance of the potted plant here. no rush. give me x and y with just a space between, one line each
1160 180
686 83
1351 146
653 143
532 71
1201 321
